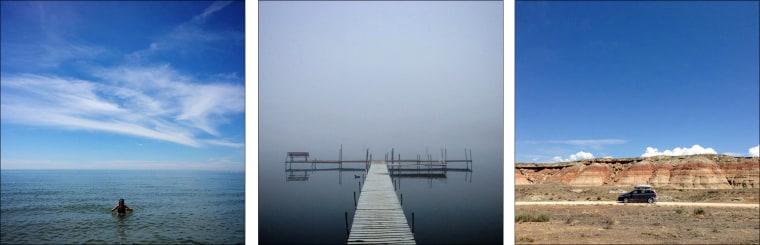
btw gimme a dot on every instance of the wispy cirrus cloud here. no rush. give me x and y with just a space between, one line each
224 164
151 102
188 35
216 6
131 98
48 54
224 143
47 41
162 90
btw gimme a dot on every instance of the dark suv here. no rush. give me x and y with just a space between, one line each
639 195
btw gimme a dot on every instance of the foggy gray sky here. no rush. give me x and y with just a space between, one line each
380 75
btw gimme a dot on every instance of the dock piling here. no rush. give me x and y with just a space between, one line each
412 222
441 154
348 232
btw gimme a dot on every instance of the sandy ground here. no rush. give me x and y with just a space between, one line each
591 215
698 204
638 224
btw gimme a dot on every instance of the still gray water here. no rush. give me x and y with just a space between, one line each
309 207
170 207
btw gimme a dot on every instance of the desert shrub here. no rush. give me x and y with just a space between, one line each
526 239
679 210
609 222
571 221
598 198
523 218
699 211
533 218
543 218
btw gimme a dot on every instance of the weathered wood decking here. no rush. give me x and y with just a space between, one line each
379 217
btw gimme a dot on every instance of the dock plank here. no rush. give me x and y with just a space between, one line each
379 217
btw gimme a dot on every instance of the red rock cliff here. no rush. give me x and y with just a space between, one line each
688 172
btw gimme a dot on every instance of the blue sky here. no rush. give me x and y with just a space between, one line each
123 85
380 74
133 85
631 79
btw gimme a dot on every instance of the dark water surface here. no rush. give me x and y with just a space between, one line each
73 206
461 208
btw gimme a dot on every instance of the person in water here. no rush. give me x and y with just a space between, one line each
121 208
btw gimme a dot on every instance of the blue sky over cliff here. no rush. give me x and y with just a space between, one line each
160 84
630 79
123 85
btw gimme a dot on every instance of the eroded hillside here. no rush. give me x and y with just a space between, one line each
688 172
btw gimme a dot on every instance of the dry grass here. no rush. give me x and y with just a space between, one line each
639 224
545 217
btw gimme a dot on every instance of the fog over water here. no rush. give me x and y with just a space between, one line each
380 82
380 75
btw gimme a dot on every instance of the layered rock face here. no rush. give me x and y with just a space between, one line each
688 172
592 175
520 178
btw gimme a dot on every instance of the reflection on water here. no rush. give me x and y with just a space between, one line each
121 227
315 202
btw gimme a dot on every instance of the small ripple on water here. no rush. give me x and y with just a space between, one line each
76 210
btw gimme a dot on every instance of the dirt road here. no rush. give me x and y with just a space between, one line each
736 205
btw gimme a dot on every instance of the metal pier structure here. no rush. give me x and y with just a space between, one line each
379 217
419 167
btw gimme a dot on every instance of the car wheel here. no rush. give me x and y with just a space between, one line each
625 200
650 200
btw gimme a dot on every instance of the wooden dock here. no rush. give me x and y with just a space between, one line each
379 217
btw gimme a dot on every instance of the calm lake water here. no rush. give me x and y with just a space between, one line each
309 207
73 206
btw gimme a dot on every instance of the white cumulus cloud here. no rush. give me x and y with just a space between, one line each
754 151
678 151
574 157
